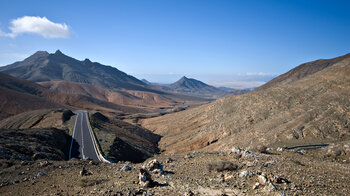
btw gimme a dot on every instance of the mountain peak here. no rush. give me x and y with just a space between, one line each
184 78
87 60
40 53
58 52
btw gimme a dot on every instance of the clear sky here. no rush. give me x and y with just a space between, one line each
218 41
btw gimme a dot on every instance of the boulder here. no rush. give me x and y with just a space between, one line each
145 179
154 166
126 167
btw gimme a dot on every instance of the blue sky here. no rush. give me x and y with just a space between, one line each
222 42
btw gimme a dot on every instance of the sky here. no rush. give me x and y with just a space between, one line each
238 44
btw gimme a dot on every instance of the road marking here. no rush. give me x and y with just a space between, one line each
71 143
93 142
80 116
82 136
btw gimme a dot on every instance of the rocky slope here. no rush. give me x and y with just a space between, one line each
314 108
34 144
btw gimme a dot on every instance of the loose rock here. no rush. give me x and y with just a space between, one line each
85 172
145 179
262 180
40 174
126 168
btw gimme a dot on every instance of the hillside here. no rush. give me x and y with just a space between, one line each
314 108
19 95
42 119
140 99
303 71
43 66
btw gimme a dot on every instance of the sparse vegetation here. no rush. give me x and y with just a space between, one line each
222 166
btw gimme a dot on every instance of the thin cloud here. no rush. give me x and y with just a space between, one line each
238 84
260 74
36 25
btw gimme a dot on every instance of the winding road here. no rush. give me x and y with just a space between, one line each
83 145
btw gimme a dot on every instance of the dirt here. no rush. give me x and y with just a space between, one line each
290 173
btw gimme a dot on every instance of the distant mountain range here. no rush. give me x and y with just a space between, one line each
45 68
57 80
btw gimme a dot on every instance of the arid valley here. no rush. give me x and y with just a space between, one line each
80 127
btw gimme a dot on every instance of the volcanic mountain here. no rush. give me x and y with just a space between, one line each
43 66
307 105
193 87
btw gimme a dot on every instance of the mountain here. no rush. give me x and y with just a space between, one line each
146 81
307 105
43 66
193 87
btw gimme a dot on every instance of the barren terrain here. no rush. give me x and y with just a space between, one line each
277 173
313 109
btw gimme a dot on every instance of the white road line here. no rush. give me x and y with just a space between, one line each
71 144
82 136
93 142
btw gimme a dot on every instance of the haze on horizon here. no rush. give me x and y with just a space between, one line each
224 43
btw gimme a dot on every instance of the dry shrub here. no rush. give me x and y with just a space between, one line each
222 166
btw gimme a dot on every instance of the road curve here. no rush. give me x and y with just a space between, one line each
83 145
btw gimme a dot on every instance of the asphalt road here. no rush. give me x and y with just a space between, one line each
82 146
